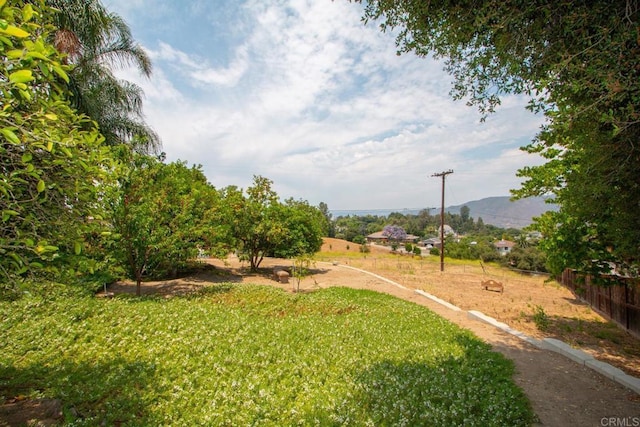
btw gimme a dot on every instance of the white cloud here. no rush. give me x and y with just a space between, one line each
227 76
304 94
199 70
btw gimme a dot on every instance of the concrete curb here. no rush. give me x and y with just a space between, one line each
477 315
384 279
438 300
589 361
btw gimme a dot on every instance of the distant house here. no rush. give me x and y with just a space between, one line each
432 242
378 237
504 246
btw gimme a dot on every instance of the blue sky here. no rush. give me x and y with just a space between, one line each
303 93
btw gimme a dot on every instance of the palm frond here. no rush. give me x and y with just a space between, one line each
96 41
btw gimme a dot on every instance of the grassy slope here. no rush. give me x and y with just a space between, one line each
242 355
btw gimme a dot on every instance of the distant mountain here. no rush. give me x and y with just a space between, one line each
498 211
373 212
502 212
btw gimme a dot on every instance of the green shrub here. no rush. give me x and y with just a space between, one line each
540 318
359 239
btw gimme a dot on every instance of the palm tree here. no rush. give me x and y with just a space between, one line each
96 41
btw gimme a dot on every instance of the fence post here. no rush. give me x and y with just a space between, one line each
626 305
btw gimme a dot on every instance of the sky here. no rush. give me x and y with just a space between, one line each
302 92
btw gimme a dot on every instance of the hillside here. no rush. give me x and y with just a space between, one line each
502 212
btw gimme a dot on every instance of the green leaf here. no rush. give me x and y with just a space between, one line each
6 214
60 72
16 258
66 151
37 55
44 69
21 76
11 137
40 186
26 157
27 13
25 94
77 247
14 31
14 53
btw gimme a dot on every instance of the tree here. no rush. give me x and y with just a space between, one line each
528 258
263 226
395 234
301 268
253 219
305 226
330 226
161 216
354 228
95 41
579 62
52 161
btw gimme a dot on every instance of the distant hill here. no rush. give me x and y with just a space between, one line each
498 211
502 212
373 212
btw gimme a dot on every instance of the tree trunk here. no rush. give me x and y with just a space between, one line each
138 282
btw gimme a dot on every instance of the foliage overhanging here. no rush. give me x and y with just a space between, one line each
579 62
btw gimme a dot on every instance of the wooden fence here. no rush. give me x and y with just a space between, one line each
618 302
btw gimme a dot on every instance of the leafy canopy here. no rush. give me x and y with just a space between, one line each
394 232
161 216
51 159
263 226
96 42
579 62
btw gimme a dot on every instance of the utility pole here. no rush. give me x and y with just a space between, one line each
443 175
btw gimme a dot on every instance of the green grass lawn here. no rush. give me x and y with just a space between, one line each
252 355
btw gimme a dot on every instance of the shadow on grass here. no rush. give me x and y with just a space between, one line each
102 393
474 387
267 272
